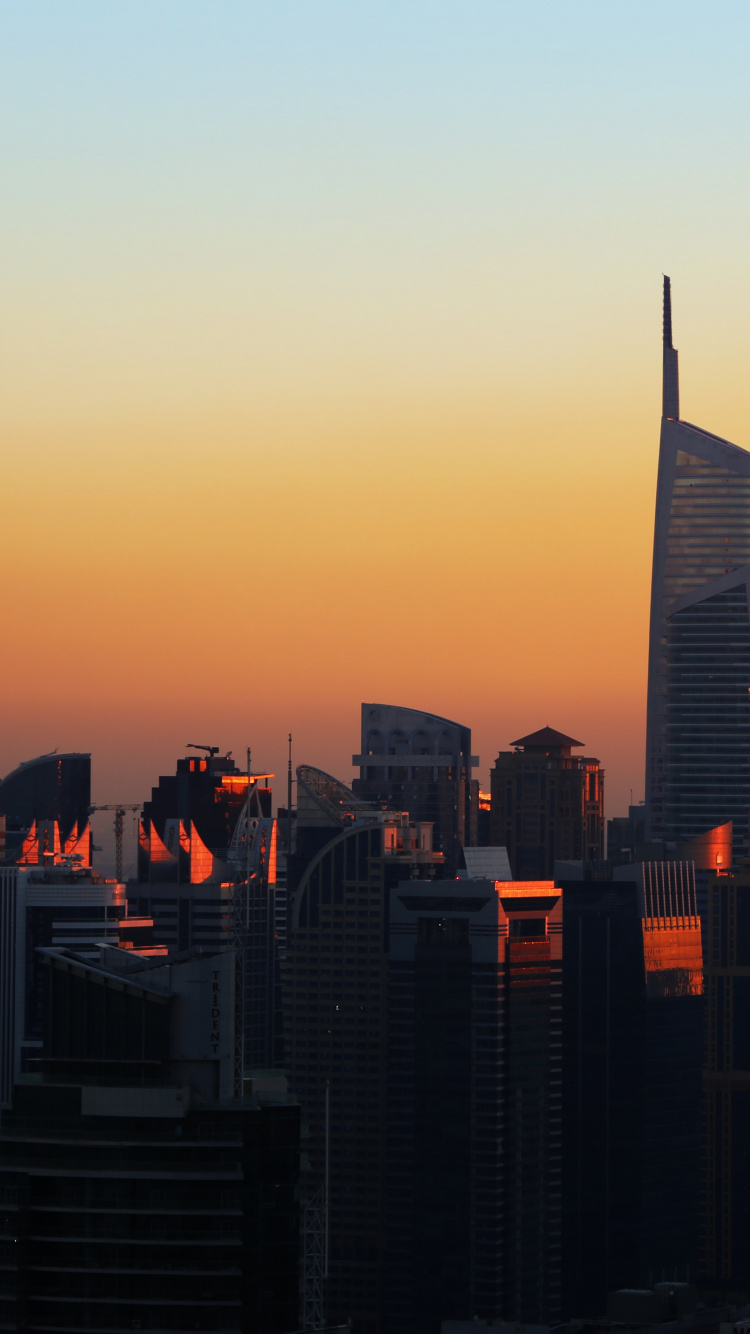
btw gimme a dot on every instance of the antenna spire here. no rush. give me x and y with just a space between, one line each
670 377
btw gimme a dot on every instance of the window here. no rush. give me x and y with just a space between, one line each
527 928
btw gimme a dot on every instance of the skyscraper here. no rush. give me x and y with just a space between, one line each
633 1015
725 1260
701 533
335 1011
547 804
474 1103
421 763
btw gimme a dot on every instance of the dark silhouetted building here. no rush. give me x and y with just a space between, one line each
44 804
137 1193
547 804
633 1038
421 763
335 1009
725 1257
701 534
207 838
474 1103
626 835
707 746
44 906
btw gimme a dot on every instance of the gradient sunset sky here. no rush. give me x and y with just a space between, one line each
331 363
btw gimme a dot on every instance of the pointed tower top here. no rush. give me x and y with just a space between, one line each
667 312
670 379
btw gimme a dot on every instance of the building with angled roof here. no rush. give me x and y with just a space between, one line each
44 810
547 804
701 534
421 763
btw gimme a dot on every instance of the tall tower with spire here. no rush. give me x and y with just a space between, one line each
701 534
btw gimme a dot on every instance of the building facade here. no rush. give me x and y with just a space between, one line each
707 745
547 804
474 1103
421 763
701 533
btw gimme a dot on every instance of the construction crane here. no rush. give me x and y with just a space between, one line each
119 809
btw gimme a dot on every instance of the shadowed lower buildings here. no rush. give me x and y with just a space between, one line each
136 1192
633 1029
426 1012
725 1252
547 804
335 983
474 1153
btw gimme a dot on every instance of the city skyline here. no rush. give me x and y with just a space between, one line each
332 285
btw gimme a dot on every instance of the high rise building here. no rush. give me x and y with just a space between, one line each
633 1015
474 1103
707 747
137 1192
421 763
701 534
547 804
44 906
207 839
44 810
335 1010
725 1259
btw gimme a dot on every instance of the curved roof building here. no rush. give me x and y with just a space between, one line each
421 763
53 791
701 534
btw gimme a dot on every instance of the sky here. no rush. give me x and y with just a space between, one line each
330 364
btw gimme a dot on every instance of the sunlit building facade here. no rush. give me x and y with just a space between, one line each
701 533
206 836
44 811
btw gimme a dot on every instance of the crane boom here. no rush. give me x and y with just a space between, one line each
119 808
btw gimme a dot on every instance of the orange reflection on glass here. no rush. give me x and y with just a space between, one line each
673 957
201 859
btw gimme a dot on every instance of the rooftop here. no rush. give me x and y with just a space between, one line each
547 738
